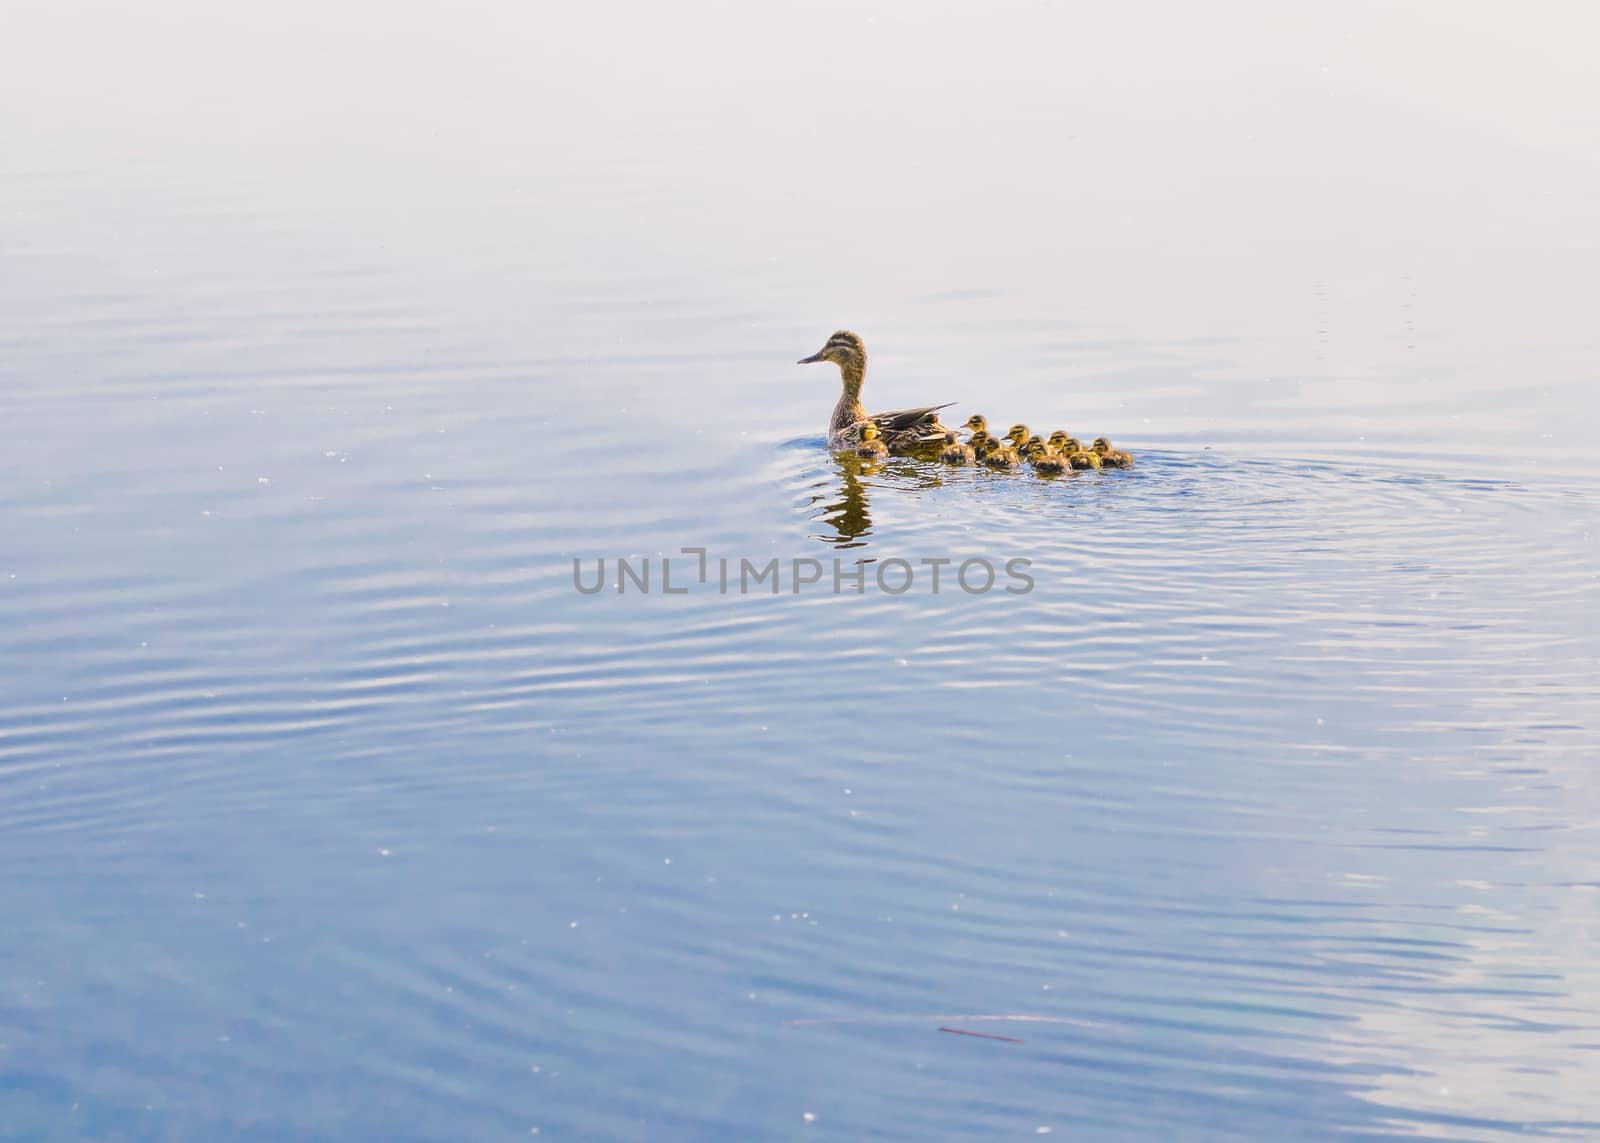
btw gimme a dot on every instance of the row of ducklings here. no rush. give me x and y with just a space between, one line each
1056 453
1059 452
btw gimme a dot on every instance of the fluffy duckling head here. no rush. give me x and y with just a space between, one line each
1102 445
872 444
844 349
1058 438
1017 434
977 423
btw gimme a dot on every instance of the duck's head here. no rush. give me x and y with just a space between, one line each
1102 445
976 423
844 349
1017 434
1059 438
1072 444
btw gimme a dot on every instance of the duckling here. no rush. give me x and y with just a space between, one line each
1111 457
977 424
1077 456
871 446
955 452
1058 439
1043 457
1000 455
1018 435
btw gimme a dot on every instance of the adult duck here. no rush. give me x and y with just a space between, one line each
901 430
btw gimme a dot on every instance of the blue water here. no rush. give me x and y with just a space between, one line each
329 809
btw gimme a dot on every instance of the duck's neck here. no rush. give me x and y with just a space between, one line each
849 410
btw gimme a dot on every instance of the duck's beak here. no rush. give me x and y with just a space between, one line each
815 357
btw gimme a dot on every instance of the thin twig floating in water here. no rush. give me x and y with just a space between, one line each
981 1035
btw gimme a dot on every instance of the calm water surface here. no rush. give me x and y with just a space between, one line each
330 810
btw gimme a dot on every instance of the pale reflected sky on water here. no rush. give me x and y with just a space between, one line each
1373 200
330 333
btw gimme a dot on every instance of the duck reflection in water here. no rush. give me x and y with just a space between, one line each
844 503
841 501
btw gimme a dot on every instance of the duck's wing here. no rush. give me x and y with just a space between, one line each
899 420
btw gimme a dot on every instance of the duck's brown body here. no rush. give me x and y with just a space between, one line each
902 430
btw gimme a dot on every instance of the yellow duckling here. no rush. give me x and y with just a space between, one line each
1079 457
1000 455
1058 439
1043 457
871 446
1018 435
976 423
1111 457
955 452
